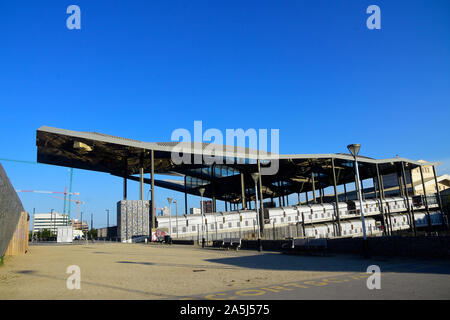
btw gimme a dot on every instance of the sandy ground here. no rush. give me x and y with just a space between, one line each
138 271
135 271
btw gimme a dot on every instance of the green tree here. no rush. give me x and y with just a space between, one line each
92 234
46 234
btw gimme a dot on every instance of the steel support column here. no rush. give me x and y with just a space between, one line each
152 176
357 188
279 194
336 199
244 204
261 206
141 177
388 213
362 190
141 183
381 195
375 191
441 209
125 187
425 199
313 187
185 196
410 208
399 181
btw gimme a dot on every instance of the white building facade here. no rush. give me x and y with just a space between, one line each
50 221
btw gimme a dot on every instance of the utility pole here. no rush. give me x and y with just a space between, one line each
202 191
52 224
107 223
32 228
176 213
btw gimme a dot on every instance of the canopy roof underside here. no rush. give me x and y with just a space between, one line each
222 179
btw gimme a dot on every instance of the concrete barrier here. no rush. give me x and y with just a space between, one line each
10 211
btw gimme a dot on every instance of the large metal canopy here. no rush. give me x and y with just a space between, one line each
124 158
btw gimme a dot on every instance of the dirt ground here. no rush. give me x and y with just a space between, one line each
151 271
137 271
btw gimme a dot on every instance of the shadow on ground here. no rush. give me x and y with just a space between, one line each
282 262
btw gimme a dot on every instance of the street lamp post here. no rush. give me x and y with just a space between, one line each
176 214
255 177
354 150
52 223
202 191
107 224
170 214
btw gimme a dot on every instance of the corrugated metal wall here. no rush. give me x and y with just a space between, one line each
10 211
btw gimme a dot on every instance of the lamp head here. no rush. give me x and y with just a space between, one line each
354 149
202 191
170 200
255 176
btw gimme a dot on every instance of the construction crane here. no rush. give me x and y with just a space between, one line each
48 192
65 193
54 192
78 202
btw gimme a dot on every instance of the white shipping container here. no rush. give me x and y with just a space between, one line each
64 234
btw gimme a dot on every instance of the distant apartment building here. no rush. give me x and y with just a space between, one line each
50 221
428 177
165 212
77 225
207 206
392 181
195 211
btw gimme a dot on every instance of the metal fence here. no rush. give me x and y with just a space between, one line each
272 232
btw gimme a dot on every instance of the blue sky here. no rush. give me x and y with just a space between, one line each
141 69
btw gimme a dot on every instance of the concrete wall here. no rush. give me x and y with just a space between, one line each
10 211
